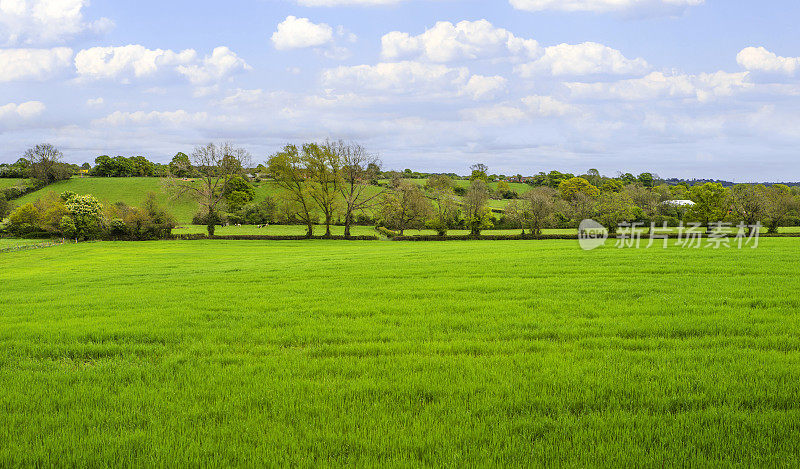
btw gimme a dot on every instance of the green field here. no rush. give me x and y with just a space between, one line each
10 182
223 353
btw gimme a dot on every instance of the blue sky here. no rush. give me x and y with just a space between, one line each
684 88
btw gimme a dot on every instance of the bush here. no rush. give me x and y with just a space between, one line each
387 232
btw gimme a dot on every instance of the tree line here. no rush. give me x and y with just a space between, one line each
336 182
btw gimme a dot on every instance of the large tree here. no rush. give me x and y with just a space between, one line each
358 168
614 208
445 207
748 203
322 165
540 205
711 203
289 170
405 207
779 203
45 164
215 167
475 208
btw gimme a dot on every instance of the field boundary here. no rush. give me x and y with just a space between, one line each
195 237
29 247
574 237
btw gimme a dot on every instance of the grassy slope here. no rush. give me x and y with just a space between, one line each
9 182
463 354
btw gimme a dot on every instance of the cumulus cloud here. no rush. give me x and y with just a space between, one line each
447 42
602 6
45 21
13 112
547 106
658 85
33 64
480 87
759 59
136 61
414 78
589 58
221 64
299 33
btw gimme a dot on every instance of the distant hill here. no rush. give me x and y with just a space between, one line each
132 191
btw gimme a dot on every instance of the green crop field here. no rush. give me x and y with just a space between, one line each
233 353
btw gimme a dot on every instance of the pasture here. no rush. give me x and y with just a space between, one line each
221 353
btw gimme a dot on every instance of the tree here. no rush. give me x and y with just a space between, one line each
574 186
540 206
476 211
239 193
5 207
87 213
778 204
711 203
358 169
288 169
479 171
644 198
748 203
516 215
614 208
216 166
445 208
647 179
405 207
612 185
322 165
142 167
180 166
45 164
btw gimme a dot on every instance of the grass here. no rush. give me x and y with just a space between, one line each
11 182
399 354
14 242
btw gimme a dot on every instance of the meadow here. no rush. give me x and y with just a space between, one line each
221 353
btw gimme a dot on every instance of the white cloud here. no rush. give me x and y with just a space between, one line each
657 85
95 102
33 64
589 58
124 61
605 5
759 59
45 21
446 42
23 111
135 61
140 118
221 64
398 77
298 33
480 87
547 106
498 114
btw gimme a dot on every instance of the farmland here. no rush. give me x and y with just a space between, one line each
221 353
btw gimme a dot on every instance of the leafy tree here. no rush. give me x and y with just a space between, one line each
570 188
748 203
24 219
405 207
180 166
216 166
612 185
323 167
45 164
540 205
516 215
5 207
445 208
87 213
711 203
67 227
239 193
627 178
142 166
479 171
358 169
476 211
288 169
554 179
779 203
594 177
614 208
647 179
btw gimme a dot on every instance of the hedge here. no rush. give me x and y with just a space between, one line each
274 238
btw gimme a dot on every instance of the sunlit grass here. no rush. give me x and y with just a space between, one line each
221 353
